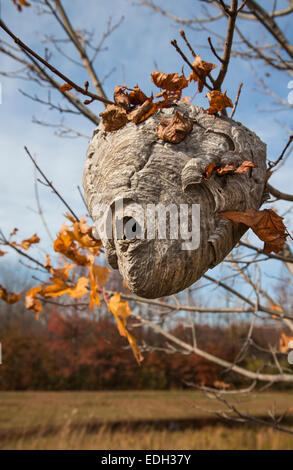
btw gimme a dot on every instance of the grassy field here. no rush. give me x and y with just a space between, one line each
134 420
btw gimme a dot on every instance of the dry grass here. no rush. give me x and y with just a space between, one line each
209 438
86 420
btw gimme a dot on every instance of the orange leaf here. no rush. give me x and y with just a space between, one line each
121 311
9 298
284 342
144 111
2 253
245 167
80 289
174 130
21 3
266 224
169 81
25 244
114 117
65 87
137 96
32 303
227 169
65 245
60 287
218 101
209 170
202 70
121 98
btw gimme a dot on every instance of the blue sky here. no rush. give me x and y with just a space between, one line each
142 40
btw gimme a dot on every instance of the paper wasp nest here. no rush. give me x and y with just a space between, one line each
131 177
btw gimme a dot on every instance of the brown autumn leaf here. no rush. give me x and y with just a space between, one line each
245 167
218 101
202 70
3 253
144 111
121 98
169 81
26 244
137 97
121 311
228 169
209 170
21 3
32 303
266 224
114 117
65 87
174 130
9 297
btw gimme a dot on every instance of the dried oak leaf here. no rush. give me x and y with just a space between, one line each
266 224
209 170
26 244
137 97
114 117
218 101
9 297
60 287
32 303
169 81
228 169
174 130
121 98
147 109
121 311
65 87
245 167
21 3
3 253
61 273
98 276
201 71
65 245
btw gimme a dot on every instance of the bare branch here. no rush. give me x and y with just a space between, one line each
53 69
50 184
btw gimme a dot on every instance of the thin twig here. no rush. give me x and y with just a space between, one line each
24 47
214 50
50 184
232 15
236 101
182 34
273 164
174 44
